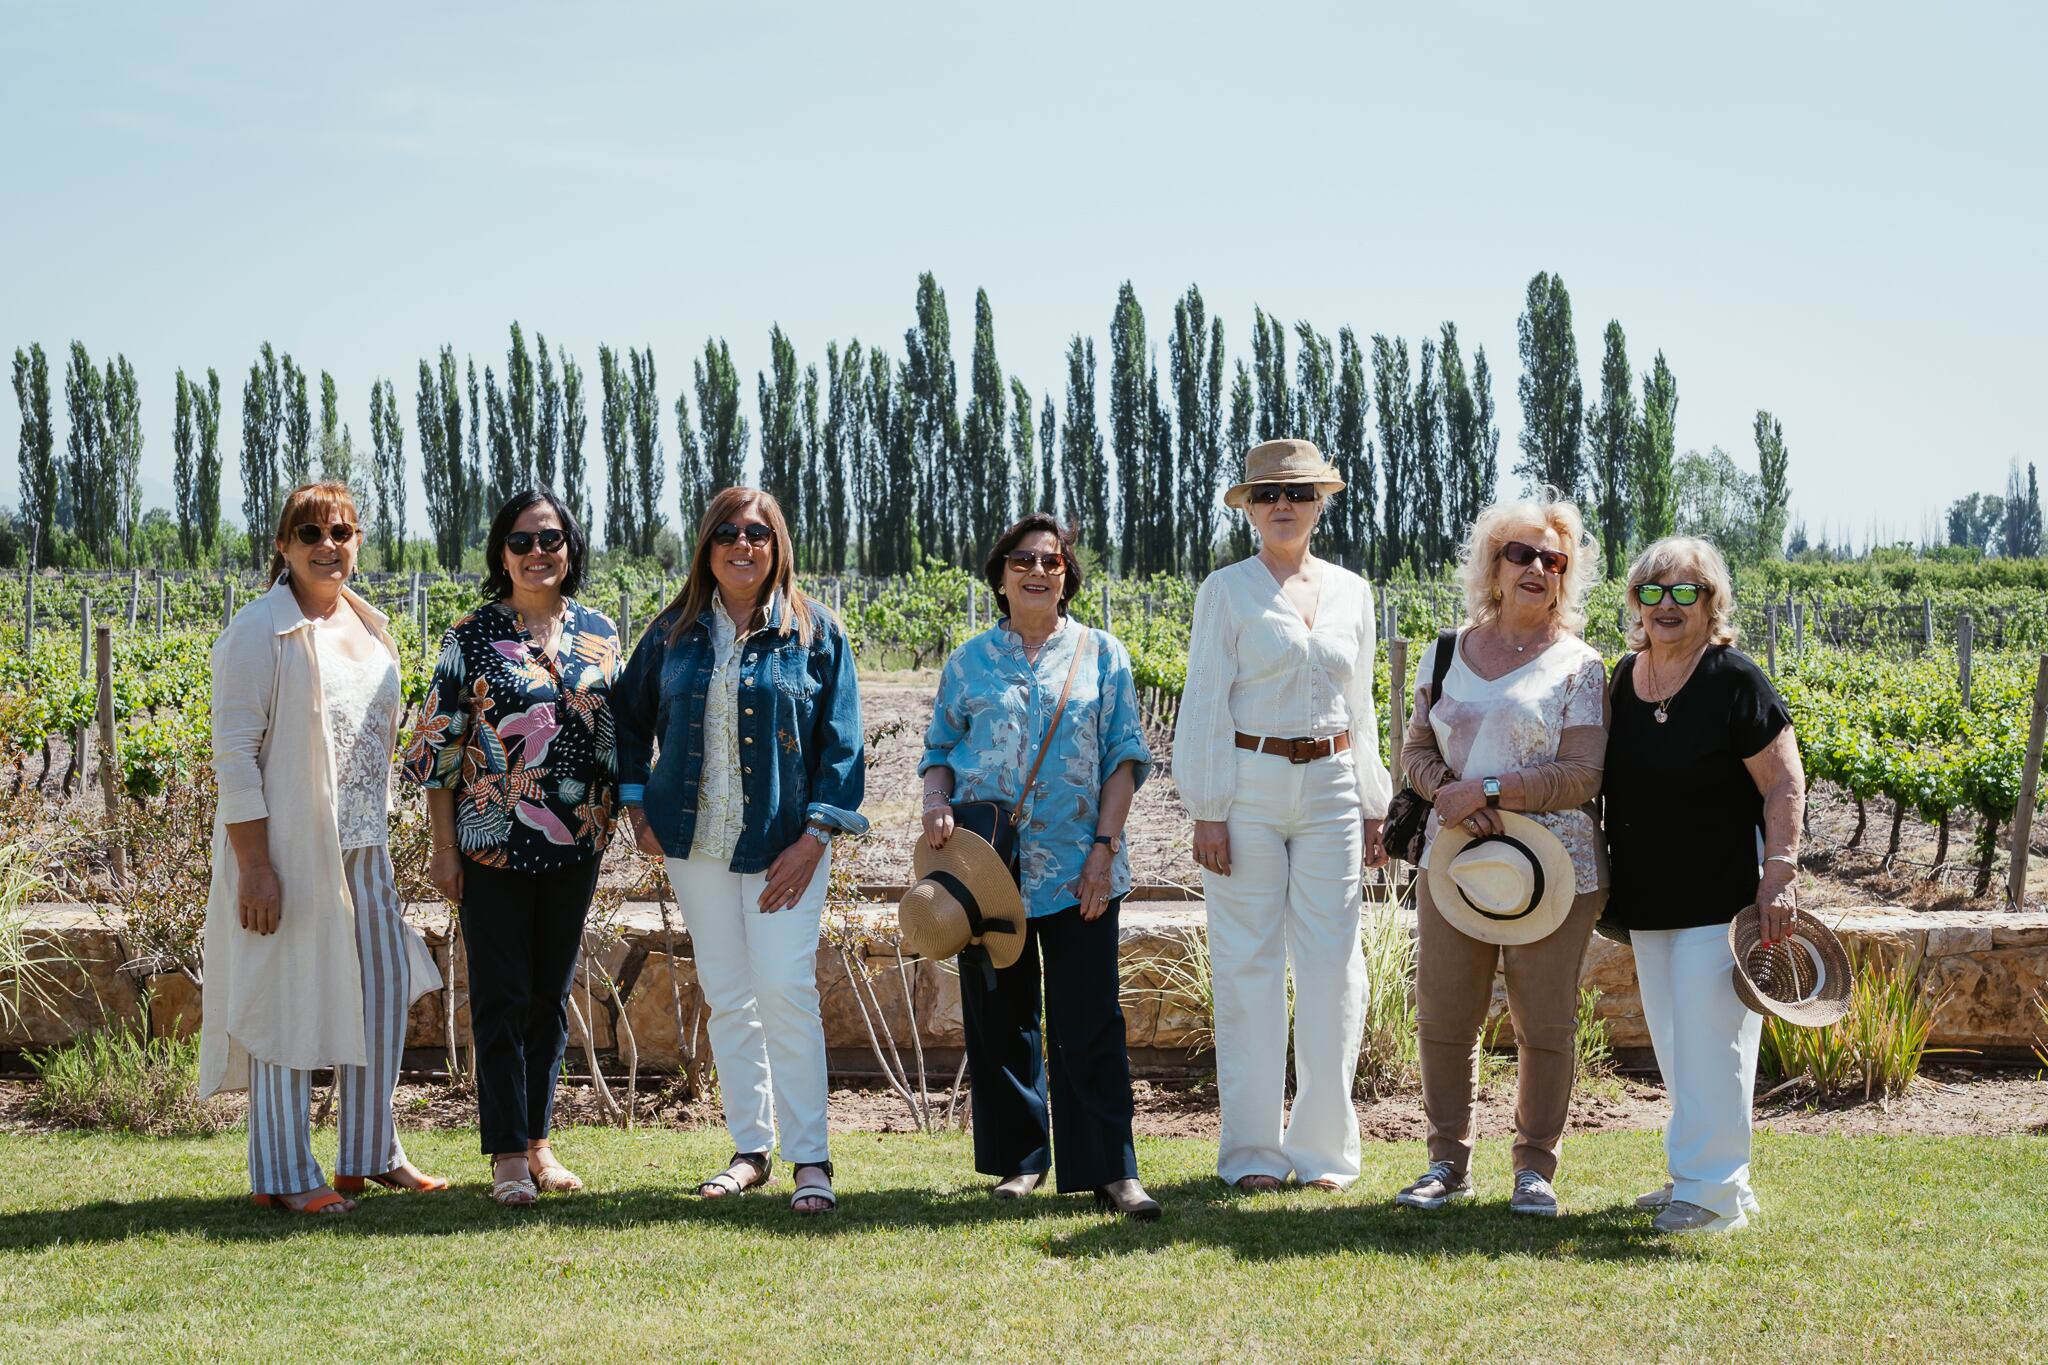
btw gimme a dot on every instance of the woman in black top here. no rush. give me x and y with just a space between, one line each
1704 799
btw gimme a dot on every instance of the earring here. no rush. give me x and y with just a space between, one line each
1496 594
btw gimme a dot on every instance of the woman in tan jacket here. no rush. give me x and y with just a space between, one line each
309 963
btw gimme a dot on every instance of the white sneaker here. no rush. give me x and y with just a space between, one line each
1679 1216
1655 1199
1533 1195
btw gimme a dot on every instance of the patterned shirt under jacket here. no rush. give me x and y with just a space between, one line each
721 817
989 720
524 738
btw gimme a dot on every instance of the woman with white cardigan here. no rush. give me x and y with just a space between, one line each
309 962
1277 756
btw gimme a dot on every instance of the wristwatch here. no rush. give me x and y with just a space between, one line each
1491 786
820 833
1115 842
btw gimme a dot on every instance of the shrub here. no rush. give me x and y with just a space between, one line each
28 963
1388 1060
1592 1043
1872 1052
120 1079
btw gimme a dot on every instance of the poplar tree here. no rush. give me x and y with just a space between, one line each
1432 544
184 485
1315 421
481 508
1462 438
1611 430
1243 435
845 438
1357 510
931 387
1129 421
1390 393
121 425
1654 479
1082 465
442 473
615 426
1774 489
519 407
782 442
1269 368
295 417
575 421
987 486
1195 367
693 483
648 470
259 456
77 490
810 504
1048 480
385 473
38 467
507 476
206 417
547 443
1487 469
1160 524
723 432
1553 403
337 458
891 424
1023 450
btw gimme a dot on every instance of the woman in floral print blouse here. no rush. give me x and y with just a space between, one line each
518 756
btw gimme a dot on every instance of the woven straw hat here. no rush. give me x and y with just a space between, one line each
1510 888
963 895
1288 461
1803 978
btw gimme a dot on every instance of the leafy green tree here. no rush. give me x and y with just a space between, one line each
1717 500
2020 515
121 427
39 470
846 509
1269 368
1129 426
184 474
1084 471
519 406
1487 472
295 418
1553 403
693 482
1464 443
615 416
1195 370
1243 435
1048 445
648 469
1653 476
1974 521
82 495
1431 545
575 421
206 417
1023 450
987 493
811 532
931 385
1159 549
1774 489
724 433
508 476
547 441
443 474
481 508
259 455
1612 433
1391 395
387 473
337 455
892 546
1355 514
782 442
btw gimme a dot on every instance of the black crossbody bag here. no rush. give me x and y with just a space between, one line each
1408 814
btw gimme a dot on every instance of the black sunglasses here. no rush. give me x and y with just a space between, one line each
522 542
1522 556
340 533
1267 493
1023 561
1684 594
729 534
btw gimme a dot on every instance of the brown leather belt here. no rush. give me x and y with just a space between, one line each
1295 750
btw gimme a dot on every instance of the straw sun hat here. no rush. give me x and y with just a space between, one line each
965 893
1803 978
1288 461
1511 888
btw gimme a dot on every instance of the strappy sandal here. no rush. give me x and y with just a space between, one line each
725 1183
553 1177
1256 1183
517 1193
813 1188
353 1184
325 1202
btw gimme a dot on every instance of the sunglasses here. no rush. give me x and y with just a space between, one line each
522 542
1684 594
1521 556
340 533
1268 493
1024 560
755 532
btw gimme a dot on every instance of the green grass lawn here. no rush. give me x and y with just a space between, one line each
1884 1248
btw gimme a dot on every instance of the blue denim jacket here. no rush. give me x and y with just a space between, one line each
800 708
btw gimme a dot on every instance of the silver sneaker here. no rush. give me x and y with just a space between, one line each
1438 1186
1655 1199
1533 1195
1680 1216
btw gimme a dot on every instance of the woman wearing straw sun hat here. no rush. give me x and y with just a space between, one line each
1508 748
1702 769
1033 756
1276 752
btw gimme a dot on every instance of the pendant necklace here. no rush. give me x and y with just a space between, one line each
1663 708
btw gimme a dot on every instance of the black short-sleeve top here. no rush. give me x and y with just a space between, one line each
1683 813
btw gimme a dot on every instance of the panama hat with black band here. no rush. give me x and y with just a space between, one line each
965 895
1511 888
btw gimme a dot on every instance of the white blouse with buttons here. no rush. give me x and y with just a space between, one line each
721 813
1256 666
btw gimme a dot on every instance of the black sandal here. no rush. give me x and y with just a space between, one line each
813 1188
727 1184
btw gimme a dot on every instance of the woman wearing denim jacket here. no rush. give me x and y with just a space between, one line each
748 687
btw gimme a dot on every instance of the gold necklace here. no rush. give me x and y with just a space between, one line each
1663 708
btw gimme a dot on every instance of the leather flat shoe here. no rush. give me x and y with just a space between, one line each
1128 1198
1017 1186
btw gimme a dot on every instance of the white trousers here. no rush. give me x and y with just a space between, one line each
759 975
1706 1041
1293 898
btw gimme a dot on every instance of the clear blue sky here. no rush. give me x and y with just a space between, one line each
1832 211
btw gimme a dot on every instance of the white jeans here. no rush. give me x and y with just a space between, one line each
759 975
1706 1041
1292 898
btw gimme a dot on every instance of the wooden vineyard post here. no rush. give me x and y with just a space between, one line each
28 616
1771 640
1798 630
1397 705
2030 781
1965 638
81 738
227 601
625 620
1927 622
160 590
110 757
974 609
1105 609
134 596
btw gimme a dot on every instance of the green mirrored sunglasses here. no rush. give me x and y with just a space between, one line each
1684 594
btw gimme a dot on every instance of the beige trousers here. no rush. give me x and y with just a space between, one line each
1453 989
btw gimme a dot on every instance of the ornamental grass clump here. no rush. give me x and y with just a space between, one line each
29 962
1872 1052
120 1079
1388 1061
1592 1043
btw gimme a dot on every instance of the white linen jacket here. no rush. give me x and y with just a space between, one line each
293 998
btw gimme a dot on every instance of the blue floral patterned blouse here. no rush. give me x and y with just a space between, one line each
526 740
988 721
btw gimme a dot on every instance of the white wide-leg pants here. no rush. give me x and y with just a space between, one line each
1706 1041
759 975
1293 898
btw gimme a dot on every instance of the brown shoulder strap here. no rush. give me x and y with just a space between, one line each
1087 646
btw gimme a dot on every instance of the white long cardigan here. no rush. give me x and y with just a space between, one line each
293 998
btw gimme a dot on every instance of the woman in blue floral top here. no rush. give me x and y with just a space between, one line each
996 702
517 752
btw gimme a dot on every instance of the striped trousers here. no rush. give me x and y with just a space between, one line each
280 1099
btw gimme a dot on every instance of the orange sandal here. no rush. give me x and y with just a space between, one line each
319 1204
353 1184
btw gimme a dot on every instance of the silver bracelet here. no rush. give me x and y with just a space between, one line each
1785 858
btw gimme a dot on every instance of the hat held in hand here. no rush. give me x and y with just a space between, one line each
1803 978
1510 888
963 895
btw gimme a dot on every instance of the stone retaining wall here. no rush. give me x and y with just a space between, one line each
1991 966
